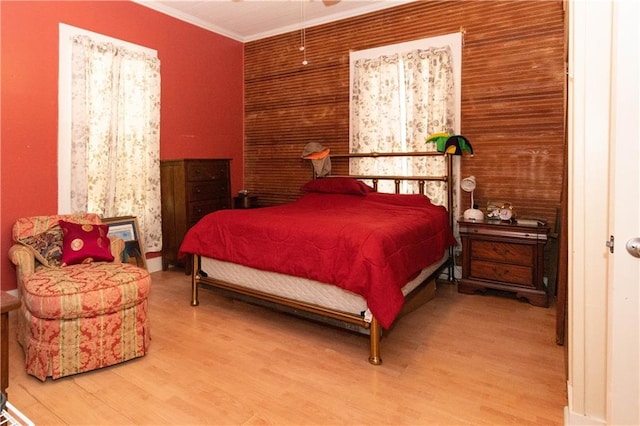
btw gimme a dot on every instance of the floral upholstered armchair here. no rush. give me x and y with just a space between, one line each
82 308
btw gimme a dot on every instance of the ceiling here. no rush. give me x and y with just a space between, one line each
248 20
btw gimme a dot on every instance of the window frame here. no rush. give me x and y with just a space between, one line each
452 40
65 34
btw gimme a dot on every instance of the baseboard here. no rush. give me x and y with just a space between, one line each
154 264
572 418
575 419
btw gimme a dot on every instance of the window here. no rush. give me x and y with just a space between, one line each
109 124
399 95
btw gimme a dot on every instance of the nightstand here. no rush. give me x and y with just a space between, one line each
7 303
504 256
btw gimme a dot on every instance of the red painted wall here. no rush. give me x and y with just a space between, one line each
202 97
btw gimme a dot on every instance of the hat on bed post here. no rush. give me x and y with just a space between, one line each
319 156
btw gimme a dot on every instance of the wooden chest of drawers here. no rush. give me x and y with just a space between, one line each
504 256
190 189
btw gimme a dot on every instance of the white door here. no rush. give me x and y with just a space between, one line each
623 333
604 194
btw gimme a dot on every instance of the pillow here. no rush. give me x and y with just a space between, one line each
85 243
337 186
46 247
408 200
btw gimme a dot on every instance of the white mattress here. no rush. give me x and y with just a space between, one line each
301 289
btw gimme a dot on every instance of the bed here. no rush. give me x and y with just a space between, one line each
342 253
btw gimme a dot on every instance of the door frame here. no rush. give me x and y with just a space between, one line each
601 97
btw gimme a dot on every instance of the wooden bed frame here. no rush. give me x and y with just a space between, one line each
417 297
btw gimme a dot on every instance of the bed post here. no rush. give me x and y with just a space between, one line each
451 268
374 340
195 277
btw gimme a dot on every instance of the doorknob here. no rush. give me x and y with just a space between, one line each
633 247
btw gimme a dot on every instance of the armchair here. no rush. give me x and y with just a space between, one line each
77 317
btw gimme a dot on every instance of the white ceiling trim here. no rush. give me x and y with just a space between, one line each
223 17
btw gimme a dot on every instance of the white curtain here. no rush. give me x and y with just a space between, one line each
115 148
397 101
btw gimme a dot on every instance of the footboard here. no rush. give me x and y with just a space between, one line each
311 311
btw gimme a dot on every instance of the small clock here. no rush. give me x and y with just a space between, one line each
506 214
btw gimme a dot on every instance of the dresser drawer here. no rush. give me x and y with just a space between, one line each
207 170
517 254
502 272
207 190
198 209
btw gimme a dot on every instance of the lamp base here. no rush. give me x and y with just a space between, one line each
473 214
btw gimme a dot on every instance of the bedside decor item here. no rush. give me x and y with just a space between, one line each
450 143
506 213
501 211
469 185
320 159
126 228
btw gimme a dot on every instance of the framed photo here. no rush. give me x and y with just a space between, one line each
126 228
125 231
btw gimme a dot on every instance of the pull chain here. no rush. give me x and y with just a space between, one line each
303 34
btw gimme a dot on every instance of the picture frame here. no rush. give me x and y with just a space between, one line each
126 228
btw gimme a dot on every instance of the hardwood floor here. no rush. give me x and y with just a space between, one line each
458 360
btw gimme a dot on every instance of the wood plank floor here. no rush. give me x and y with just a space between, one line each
458 360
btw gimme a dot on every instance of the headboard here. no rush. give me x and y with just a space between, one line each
439 182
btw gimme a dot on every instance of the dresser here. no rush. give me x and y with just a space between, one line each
504 256
191 188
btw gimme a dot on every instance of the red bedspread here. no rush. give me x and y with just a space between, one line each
369 244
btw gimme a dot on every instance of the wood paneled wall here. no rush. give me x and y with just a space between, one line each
513 96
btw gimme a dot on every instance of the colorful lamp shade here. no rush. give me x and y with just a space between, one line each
450 143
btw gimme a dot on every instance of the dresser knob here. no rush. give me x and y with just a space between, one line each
502 251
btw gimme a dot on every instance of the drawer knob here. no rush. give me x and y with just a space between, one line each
501 250
501 273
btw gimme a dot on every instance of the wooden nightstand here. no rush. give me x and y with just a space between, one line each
7 303
504 256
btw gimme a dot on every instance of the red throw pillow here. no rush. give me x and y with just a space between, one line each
337 185
85 243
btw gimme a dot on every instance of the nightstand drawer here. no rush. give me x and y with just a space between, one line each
517 254
199 209
512 274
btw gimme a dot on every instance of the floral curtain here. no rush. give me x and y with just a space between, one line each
115 158
397 101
